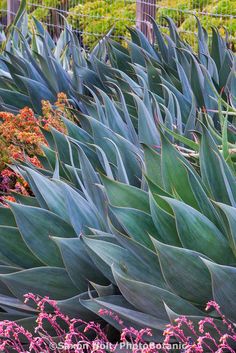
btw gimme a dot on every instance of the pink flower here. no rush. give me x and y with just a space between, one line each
75 334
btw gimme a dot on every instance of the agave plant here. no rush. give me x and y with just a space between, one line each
147 226
131 203
33 68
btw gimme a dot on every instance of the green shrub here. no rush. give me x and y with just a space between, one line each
41 13
3 4
96 18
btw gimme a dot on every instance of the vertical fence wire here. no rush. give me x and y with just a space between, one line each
92 19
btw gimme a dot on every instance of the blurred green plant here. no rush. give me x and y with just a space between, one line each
96 17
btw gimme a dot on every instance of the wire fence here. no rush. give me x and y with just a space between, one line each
92 19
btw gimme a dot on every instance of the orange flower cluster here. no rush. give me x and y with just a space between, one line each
21 138
52 114
21 134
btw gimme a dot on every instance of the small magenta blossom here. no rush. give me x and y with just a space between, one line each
74 335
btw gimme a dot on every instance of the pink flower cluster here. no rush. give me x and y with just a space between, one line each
56 332
207 336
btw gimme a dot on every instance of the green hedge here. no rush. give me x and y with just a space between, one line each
96 17
99 17
125 10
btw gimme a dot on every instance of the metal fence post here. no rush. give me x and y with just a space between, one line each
12 7
143 9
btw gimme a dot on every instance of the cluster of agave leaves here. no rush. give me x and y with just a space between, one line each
134 209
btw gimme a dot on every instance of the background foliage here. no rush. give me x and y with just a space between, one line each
97 17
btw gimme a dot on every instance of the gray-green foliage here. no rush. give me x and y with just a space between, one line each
148 226
156 240
33 67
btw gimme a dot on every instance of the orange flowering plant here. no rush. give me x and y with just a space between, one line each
21 139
